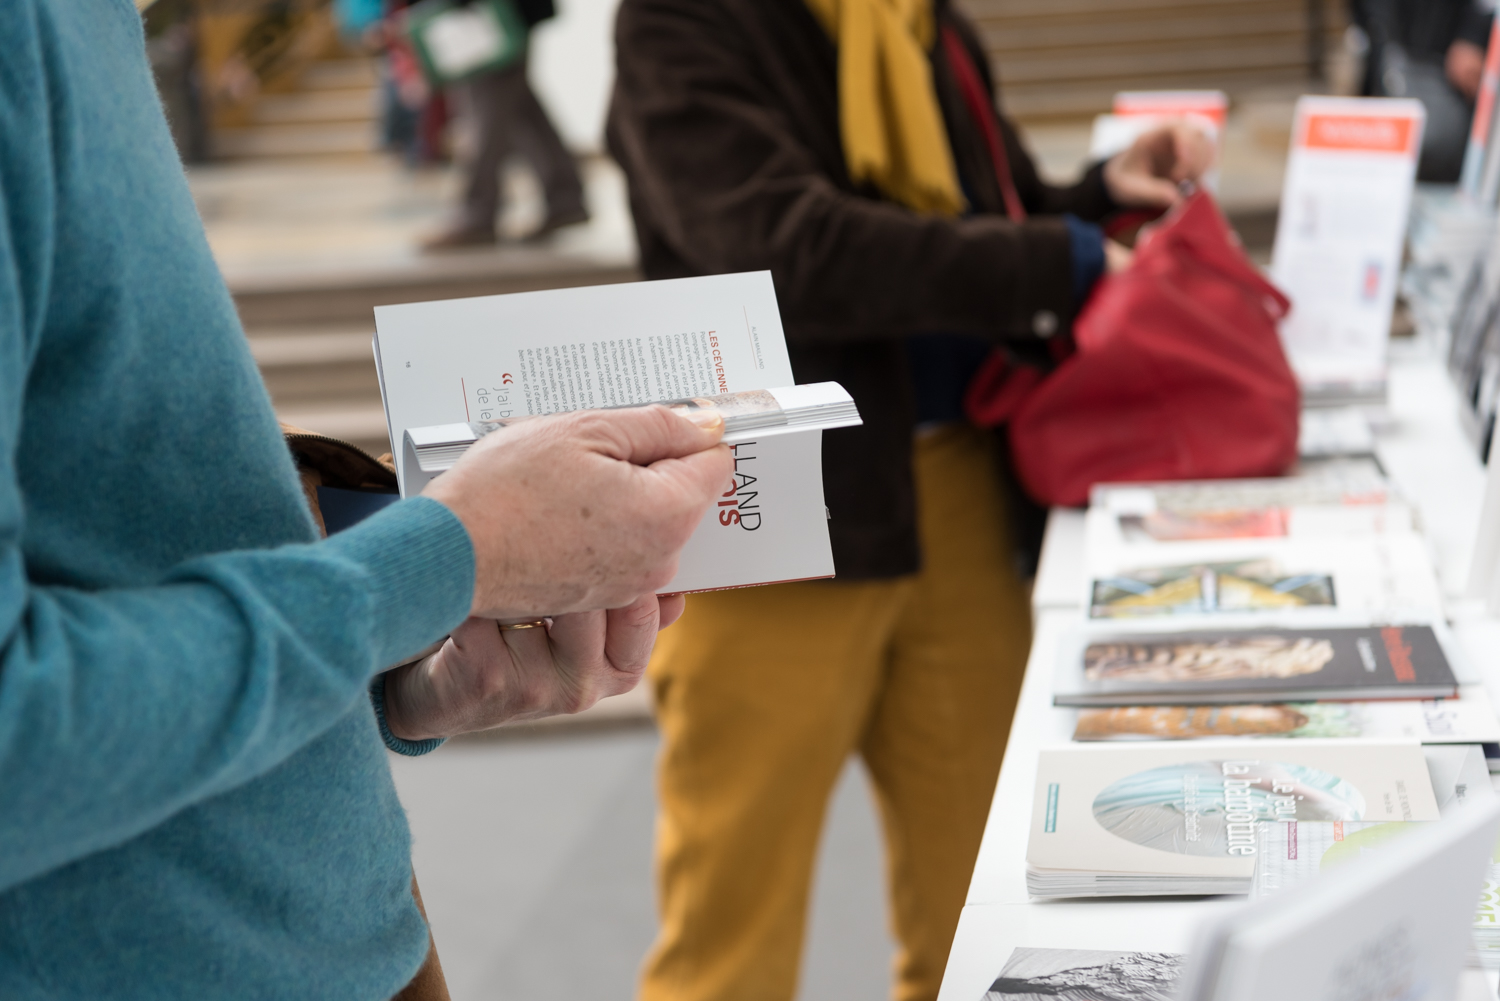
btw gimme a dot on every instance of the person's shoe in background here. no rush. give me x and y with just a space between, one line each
459 238
561 220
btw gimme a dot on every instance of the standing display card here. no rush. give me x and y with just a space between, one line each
1338 243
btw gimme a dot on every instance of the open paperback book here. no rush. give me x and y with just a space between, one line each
1182 818
454 370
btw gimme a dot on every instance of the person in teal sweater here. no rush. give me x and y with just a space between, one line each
194 795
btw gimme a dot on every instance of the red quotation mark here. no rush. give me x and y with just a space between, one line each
506 379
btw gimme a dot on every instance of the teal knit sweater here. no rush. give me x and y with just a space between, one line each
194 797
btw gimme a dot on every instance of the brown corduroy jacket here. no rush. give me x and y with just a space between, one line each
725 120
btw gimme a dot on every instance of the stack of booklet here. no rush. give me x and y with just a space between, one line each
1256 652
1182 818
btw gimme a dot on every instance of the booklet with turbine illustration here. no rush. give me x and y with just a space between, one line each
455 370
1182 818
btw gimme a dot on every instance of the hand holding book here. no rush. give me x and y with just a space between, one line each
583 511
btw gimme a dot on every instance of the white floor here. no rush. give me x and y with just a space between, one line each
534 857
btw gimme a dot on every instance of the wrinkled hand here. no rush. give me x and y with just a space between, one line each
483 677
1147 174
583 511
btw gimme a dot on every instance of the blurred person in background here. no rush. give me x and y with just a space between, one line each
507 120
852 147
196 696
413 116
1431 50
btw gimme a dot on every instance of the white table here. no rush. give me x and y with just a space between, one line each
1435 467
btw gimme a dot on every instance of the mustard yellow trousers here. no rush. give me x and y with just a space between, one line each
761 696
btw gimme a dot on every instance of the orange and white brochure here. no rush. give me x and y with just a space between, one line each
1344 204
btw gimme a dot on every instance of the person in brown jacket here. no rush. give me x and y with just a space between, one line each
854 149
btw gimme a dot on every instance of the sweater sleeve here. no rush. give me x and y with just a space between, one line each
120 707
717 167
123 705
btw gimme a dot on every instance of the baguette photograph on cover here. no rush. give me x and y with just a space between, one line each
456 370
1273 664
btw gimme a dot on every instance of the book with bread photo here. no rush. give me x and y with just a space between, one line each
1468 719
1253 665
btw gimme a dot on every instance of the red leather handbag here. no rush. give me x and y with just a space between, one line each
1178 373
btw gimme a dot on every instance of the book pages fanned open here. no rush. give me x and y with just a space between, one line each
455 370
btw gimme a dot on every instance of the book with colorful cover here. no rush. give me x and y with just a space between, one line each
1268 664
1381 576
1290 853
1182 818
1468 719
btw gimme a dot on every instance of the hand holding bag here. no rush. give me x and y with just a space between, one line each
1178 373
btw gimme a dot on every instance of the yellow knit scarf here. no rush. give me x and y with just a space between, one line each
892 128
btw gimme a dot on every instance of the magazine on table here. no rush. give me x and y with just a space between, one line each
1334 498
1394 924
1468 719
1269 663
1292 852
1377 576
454 370
1087 973
1182 818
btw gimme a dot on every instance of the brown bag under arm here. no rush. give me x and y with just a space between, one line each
328 462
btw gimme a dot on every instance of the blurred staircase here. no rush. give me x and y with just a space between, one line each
331 110
1066 58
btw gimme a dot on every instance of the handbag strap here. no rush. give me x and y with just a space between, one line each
971 86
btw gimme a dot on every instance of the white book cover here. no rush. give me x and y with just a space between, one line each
495 357
1193 809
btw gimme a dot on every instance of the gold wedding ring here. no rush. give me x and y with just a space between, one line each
529 624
